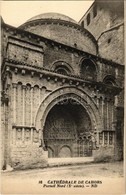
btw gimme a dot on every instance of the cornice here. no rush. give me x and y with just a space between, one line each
52 75
58 22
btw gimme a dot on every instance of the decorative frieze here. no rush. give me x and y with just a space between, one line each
24 134
71 79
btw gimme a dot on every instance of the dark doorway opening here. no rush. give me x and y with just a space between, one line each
67 131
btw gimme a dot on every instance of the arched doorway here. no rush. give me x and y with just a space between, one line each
68 130
65 151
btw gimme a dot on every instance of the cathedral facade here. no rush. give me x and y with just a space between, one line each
62 87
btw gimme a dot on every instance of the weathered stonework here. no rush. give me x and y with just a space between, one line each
61 97
107 26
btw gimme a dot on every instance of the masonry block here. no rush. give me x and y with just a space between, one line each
104 154
31 156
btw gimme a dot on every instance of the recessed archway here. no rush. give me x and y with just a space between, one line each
68 130
80 97
60 95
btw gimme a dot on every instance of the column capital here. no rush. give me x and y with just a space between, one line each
32 73
40 76
4 97
24 86
23 71
14 85
16 70
7 68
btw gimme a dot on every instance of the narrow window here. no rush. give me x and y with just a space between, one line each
88 19
82 24
94 11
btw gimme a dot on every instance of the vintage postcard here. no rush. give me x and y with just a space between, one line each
62 97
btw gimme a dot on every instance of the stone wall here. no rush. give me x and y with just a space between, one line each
107 26
42 54
28 156
30 84
66 34
25 52
111 45
54 54
25 101
101 20
104 17
104 154
2 134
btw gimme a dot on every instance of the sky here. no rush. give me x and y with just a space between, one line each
16 13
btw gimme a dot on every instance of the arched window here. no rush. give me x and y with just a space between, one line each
62 70
62 67
88 70
109 80
88 19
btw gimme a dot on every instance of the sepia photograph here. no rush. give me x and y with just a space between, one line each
62 97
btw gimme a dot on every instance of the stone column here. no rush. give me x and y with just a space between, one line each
103 138
98 101
108 138
112 111
14 111
107 115
116 100
23 136
3 137
97 141
14 135
31 106
39 96
23 117
41 138
14 102
31 135
102 107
